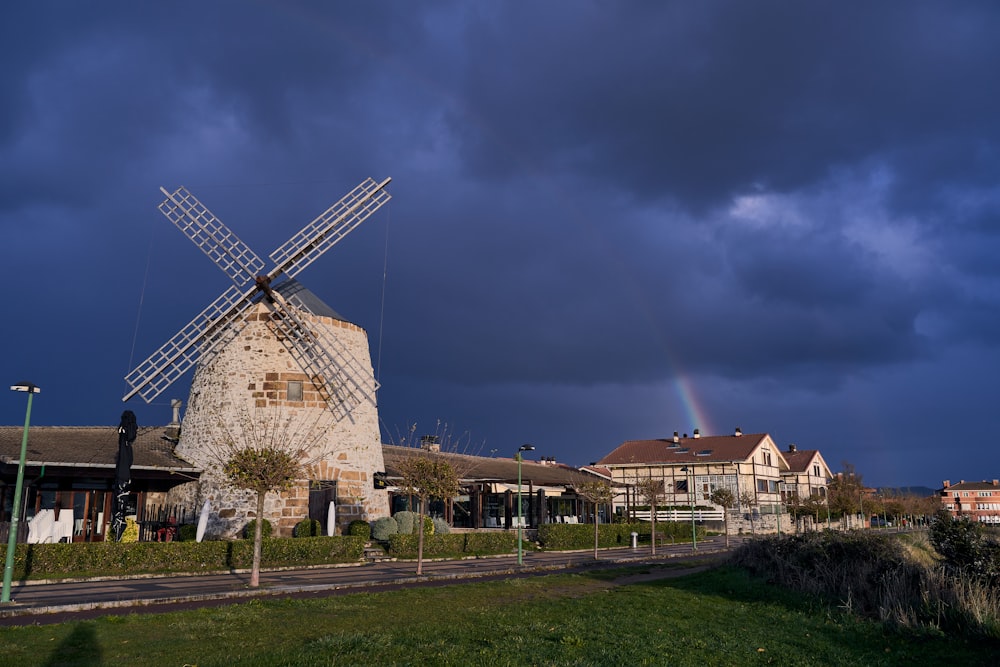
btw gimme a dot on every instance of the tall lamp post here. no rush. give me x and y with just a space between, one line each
694 532
15 512
520 524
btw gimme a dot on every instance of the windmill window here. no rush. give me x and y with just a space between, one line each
294 390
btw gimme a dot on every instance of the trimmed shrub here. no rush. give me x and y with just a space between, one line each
90 559
440 526
573 536
248 530
131 532
455 546
308 528
186 532
405 522
359 528
383 528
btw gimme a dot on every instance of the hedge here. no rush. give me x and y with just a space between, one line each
455 545
90 559
565 536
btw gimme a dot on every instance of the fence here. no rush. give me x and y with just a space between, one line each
160 522
680 515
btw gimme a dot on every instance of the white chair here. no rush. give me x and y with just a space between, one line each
40 527
64 526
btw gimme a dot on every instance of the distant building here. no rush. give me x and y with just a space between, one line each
979 501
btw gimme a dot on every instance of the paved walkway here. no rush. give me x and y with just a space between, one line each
31 599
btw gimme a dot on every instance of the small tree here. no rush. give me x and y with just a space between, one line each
428 478
651 490
266 453
724 498
599 493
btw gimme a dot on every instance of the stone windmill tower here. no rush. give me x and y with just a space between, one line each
269 352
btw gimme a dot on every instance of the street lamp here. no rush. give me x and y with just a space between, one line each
520 551
15 512
694 532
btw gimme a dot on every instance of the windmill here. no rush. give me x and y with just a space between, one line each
264 328
345 383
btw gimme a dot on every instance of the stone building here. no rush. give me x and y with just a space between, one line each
256 379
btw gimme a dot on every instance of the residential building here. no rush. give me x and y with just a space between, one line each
807 475
979 501
750 465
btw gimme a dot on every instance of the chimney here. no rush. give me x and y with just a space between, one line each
791 448
697 433
175 405
172 433
947 483
739 432
676 437
996 482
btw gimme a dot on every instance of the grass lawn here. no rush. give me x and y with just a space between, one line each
717 617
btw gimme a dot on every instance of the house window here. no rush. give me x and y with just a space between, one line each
295 390
816 470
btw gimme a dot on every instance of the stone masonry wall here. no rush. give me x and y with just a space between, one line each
248 379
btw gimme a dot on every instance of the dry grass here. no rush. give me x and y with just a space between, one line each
897 582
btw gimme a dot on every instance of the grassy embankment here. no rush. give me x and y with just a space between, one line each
718 617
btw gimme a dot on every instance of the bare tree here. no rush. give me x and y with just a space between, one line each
428 478
651 490
724 498
599 493
265 452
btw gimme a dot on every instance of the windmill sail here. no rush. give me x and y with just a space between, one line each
343 380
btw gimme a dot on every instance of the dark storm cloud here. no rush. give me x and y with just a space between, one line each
792 207
702 102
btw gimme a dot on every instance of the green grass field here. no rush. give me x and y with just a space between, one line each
718 617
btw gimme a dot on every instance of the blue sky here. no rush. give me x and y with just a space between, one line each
609 220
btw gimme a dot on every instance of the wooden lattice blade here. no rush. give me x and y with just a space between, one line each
217 241
329 228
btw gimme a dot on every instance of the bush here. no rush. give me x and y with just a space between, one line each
187 532
405 522
248 530
308 528
454 546
88 559
440 526
359 528
873 576
568 536
965 546
383 528
131 532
